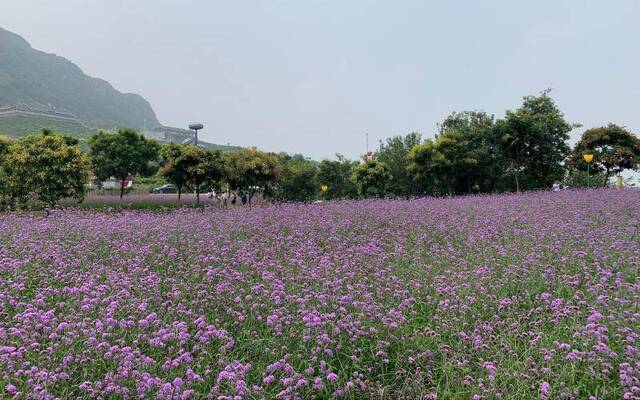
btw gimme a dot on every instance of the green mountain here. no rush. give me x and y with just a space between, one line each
33 77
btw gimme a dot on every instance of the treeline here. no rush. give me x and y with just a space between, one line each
472 152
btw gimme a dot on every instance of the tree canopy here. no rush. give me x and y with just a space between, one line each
123 153
373 178
248 170
45 167
614 149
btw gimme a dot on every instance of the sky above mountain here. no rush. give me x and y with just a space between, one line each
313 77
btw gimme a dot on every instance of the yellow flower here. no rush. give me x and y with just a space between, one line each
324 188
588 158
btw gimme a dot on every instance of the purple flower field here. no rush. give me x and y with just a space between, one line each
485 297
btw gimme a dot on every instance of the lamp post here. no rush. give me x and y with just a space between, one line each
196 127
588 158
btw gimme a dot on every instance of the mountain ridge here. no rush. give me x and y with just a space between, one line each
31 75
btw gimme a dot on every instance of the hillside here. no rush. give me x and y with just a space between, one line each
20 126
32 76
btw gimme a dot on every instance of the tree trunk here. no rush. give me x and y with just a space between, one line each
122 188
198 196
517 182
251 193
179 193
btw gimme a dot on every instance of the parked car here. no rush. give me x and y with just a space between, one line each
168 188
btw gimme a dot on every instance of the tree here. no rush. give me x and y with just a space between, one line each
122 154
394 154
299 181
250 170
337 175
456 162
473 133
373 178
174 167
4 178
205 168
427 167
613 147
47 167
532 142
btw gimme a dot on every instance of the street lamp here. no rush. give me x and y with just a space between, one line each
196 127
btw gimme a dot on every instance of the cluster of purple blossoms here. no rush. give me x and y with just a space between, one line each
477 297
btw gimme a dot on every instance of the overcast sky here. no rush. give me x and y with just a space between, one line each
313 76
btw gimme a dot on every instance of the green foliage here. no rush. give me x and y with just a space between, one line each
205 168
299 181
47 167
474 141
174 166
394 154
4 178
425 164
614 149
122 154
576 178
337 175
19 126
373 178
249 170
532 142
32 76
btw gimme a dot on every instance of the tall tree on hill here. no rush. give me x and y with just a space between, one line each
613 147
532 141
394 153
250 170
122 154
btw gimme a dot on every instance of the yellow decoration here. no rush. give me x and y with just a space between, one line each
324 188
588 158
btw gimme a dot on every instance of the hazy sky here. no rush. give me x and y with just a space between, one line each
313 76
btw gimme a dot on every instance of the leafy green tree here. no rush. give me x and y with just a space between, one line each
250 170
299 181
454 167
373 178
394 153
532 141
428 167
4 179
337 175
175 166
613 147
472 132
47 168
205 168
122 154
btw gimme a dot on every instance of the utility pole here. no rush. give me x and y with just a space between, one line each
367 135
